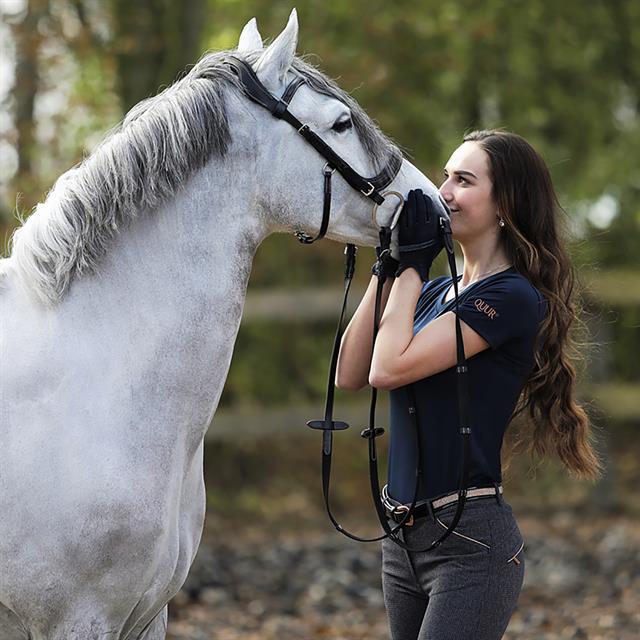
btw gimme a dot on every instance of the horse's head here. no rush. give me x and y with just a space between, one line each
290 170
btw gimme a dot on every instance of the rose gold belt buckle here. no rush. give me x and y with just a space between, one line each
404 509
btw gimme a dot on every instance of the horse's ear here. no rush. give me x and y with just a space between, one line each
277 58
250 38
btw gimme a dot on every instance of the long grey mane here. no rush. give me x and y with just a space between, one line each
141 164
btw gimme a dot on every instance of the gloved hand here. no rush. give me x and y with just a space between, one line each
419 236
385 265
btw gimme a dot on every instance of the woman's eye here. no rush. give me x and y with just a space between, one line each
460 179
342 125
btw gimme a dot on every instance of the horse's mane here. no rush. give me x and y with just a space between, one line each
140 164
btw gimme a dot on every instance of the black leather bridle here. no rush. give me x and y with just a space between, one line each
370 188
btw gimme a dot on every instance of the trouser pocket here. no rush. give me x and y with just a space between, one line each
471 534
464 536
515 558
507 540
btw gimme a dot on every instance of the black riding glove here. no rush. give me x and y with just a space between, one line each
419 236
385 265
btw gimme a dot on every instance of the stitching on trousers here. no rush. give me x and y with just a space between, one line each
514 557
412 568
455 533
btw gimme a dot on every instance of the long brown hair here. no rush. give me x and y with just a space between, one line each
527 202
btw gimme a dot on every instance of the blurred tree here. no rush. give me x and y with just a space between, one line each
28 42
565 78
153 42
130 48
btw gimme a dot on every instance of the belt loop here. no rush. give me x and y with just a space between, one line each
432 515
498 494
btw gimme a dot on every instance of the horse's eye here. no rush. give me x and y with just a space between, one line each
342 125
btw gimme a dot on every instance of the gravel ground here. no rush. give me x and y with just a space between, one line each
581 583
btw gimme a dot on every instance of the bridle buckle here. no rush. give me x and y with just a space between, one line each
368 192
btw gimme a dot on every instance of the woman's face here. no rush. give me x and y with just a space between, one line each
467 191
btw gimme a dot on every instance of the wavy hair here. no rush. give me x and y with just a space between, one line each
527 202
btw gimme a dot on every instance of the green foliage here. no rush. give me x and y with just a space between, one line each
283 261
278 364
625 345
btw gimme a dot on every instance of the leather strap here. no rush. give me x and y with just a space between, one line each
256 91
329 425
326 209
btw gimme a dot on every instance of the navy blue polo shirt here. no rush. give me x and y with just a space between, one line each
506 310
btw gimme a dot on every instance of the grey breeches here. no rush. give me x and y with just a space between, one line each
467 588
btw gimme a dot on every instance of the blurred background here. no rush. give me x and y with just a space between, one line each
565 75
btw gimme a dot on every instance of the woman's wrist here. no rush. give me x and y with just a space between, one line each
411 277
398 315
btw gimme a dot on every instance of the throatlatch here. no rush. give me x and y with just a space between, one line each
372 189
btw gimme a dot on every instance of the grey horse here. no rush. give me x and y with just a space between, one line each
119 308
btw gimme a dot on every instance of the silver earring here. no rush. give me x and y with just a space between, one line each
501 222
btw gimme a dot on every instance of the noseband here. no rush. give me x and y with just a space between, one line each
372 189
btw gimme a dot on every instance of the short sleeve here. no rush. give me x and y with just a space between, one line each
502 309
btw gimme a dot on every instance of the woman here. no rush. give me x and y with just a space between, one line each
515 311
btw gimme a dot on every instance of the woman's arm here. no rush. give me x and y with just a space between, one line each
354 358
399 357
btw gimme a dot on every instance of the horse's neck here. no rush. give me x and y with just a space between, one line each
197 248
168 300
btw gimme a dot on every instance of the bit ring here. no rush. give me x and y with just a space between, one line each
396 213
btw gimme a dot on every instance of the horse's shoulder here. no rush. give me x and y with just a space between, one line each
4 274
7 276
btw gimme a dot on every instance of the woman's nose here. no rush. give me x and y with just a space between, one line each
445 192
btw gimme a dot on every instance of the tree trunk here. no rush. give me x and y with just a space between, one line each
28 41
154 40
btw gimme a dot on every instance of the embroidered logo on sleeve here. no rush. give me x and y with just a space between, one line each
481 305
